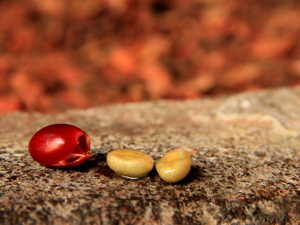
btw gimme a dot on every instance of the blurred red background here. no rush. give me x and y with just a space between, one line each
60 54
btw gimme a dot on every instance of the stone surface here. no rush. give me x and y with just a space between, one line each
245 152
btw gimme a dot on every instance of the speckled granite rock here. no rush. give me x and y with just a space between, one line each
245 152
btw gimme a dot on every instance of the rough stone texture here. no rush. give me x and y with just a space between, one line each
245 152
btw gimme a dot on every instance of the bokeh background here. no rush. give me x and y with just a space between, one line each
61 54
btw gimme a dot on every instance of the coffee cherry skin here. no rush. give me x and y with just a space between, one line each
60 146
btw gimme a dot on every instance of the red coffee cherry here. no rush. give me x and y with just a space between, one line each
60 146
